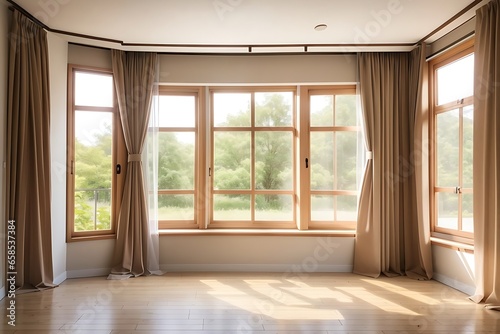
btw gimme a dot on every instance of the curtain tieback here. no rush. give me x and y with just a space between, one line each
134 157
369 155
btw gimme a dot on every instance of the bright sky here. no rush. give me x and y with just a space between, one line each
94 90
456 80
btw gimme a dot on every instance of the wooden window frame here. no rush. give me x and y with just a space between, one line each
306 129
300 191
200 175
456 53
118 157
252 223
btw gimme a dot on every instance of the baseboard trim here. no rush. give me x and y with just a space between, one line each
284 268
453 283
88 272
61 278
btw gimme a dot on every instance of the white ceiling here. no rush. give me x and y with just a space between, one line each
247 22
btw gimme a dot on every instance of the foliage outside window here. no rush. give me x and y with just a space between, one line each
333 153
253 154
452 134
178 162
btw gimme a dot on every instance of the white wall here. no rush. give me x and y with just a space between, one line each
256 253
58 59
89 258
260 69
4 55
454 268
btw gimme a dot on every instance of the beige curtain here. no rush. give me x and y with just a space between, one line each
28 154
487 155
134 74
392 234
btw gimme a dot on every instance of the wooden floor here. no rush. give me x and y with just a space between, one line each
249 303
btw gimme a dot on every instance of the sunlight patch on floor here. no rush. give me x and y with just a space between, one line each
379 302
404 292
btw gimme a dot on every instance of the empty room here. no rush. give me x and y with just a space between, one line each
250 166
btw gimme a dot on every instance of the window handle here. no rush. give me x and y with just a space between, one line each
118 169
307 163
458 190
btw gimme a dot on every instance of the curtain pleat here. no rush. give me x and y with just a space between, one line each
134 74
487 155
418 259
28 153
388 220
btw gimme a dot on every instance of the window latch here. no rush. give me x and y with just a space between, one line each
458 190
118 169
307 163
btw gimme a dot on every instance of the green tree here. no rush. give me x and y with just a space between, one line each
93 168
273 152
334 154
175 168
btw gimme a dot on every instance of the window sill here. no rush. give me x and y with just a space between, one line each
455 245
260 232
90 237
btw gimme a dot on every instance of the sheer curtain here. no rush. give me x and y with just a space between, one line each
151 177
134 77
390 237
28 152
487 155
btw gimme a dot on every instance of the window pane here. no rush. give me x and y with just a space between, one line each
273 160
455 81
232 109
321 110
322 163
93 90
273 109
92 210
176 156
93 170
345 110
177 111
468 124
334 208
347 208
346 146
175 207
232 207
447 208
322 208
467 213
448 148
232 160
273 207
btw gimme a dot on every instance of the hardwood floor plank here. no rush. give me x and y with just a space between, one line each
327 303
